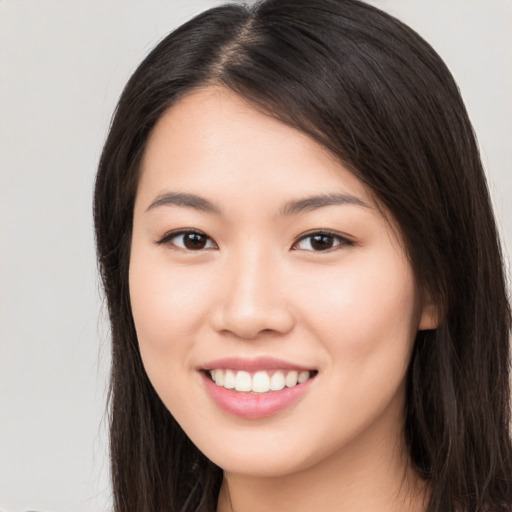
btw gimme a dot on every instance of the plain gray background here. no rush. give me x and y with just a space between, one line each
62 67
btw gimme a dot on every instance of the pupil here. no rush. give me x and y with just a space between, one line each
321 242
194 241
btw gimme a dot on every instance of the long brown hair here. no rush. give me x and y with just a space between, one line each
378 97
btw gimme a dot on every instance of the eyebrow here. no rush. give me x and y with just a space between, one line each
292 207
319 201
186 200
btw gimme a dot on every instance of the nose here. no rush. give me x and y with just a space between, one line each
252 298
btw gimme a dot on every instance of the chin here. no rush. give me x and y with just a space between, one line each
266 454
267 465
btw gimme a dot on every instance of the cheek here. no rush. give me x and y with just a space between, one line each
362 296
163 305
167 308
366 316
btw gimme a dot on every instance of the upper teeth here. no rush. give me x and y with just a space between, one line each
259 382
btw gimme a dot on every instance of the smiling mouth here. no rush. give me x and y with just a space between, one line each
259 382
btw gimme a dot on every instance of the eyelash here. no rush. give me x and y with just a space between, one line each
341 240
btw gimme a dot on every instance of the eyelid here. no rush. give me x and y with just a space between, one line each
344 241
174 234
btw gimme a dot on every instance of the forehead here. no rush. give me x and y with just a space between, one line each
214 140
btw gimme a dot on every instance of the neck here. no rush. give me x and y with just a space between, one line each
377 476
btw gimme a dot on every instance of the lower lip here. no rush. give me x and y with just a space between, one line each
250 406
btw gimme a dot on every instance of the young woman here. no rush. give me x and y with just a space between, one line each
303 273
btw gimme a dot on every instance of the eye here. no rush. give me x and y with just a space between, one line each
189 240
322 241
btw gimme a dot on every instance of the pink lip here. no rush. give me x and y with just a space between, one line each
246 405
252 365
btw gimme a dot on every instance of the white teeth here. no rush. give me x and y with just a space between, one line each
277 381
229 379
243 381
218 377
303 377
291 379
259 382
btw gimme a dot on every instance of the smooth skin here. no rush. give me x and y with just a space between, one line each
255 282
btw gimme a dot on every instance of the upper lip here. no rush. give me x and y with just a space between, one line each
253 364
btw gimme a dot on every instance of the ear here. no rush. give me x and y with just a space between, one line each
430 316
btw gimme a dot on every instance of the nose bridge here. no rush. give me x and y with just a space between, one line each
252 299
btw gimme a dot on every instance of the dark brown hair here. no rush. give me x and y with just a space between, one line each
376 95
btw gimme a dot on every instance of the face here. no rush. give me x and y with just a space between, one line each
260 262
